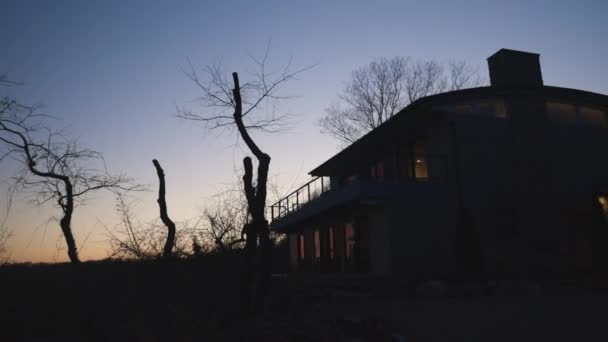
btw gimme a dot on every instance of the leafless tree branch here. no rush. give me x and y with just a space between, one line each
380 89
54 167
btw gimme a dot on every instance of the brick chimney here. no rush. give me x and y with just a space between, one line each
512 68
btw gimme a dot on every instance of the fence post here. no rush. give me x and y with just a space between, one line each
308 187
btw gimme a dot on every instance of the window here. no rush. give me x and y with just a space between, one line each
490 107
349 235
463 108
377 170
301 246
561 112
603 201
421 170
317 244
569 113
593 116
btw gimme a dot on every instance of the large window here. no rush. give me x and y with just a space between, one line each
489 107
569 113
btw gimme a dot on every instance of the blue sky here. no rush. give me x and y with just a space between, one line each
112 71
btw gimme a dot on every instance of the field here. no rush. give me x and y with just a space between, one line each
195 300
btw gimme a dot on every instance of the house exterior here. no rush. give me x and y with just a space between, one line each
509 179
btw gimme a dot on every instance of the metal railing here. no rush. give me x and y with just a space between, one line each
436 166
300 197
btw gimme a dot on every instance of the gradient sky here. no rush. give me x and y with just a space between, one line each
112 71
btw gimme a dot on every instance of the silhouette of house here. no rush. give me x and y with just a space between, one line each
511 178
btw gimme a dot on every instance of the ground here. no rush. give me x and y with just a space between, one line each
195 300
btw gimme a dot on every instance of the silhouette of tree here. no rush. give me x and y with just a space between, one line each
5 235
55 167
380 89
130 239
224 221
5 232
164 216
236 104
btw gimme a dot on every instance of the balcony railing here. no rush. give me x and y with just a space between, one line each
300 197
436 171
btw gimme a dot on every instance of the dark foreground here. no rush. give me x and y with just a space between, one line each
195 300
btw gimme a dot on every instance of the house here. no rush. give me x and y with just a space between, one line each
508 179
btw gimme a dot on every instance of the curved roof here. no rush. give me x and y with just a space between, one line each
418 113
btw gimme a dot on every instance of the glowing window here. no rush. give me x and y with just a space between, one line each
491 107
421 169
593 116
561 112
603 201
317 244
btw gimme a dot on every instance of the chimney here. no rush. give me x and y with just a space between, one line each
512 68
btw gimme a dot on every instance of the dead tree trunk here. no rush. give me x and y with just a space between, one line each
164 216
56 165
66 222
65 202
255 280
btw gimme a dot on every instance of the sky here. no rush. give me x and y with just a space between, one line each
113 73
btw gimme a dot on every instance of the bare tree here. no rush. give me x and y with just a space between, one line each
164 216
5 235
242 106
55 167
131 239
380 89
224 219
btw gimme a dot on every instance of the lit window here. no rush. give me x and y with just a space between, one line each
603 201
593 116
317 245
421 170
561 112
491 107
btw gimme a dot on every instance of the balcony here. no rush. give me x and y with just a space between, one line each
300 197
319 195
